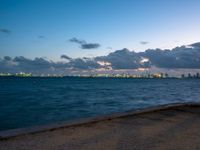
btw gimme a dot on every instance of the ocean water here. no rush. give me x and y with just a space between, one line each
27 102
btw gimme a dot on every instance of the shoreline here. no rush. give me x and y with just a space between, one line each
102 77
7 134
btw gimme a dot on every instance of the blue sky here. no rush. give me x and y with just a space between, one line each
42 28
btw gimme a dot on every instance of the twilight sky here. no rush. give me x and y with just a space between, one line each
89 28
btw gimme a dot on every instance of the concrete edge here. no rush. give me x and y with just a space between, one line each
4 135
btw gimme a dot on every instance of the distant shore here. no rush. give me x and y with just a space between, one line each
90 76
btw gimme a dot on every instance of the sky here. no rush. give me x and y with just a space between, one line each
90 28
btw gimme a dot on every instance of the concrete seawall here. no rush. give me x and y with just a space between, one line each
151 128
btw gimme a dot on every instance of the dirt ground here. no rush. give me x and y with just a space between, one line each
171 129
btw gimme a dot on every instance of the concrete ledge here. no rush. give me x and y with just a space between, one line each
44 128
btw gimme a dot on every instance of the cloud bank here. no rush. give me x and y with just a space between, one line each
183 57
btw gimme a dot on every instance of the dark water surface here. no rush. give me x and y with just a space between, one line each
34 101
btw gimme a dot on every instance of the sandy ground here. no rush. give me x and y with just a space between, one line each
172 129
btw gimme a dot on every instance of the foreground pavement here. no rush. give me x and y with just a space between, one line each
167 128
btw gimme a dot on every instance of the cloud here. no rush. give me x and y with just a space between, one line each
122 59
187 56
41 36
75 40
84 44
87 64
7 58
144 42
195 45
183 57
41 65
179 57
5 31
36 66
65 57
90 46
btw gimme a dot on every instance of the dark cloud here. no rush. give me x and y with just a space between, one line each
65 57
180 57
41 36
40 65
80 63
144 42
35 66
122 59
8 58
195 45
5 31
90 46
75 40
84 44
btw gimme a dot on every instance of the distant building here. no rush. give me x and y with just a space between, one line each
166 75
197 75
189 75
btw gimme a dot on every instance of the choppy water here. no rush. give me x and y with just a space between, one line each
34 101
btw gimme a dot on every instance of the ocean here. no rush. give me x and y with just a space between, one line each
26 102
